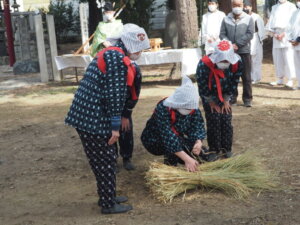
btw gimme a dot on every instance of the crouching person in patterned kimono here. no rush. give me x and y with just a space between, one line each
176 127
97 107
217 78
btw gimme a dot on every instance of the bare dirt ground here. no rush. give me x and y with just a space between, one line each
45 178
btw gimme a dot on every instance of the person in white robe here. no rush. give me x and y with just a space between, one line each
283 52
210 27
294 38
256 43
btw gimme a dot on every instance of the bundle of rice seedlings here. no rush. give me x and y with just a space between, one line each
237 177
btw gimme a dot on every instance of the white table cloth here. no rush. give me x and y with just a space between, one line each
188 58
70 60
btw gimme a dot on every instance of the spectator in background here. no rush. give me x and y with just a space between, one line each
282 49
256 43
109 28
238 27
210 28
294 38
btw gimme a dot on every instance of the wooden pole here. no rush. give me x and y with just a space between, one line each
9 33
82 46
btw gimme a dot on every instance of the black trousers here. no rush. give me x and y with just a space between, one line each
246 78
103 160
126 142
219 130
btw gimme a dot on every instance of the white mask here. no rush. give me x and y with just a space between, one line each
282 1
237 10
135 56
223 65
212 8
298 4
184 112
108 17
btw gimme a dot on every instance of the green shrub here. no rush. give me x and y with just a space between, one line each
66 19
137 12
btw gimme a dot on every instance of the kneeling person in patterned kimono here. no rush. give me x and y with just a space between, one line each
217 78
176 127
97 108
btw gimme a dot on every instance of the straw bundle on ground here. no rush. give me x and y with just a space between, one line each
237 177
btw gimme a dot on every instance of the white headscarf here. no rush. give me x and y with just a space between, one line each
134 38
185 97
224 51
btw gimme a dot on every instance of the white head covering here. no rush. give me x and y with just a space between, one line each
224 51
185 97
134 38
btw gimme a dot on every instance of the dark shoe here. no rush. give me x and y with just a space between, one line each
228 155
209 155
117 208
118 199
121 199
212 157
247 104
127 164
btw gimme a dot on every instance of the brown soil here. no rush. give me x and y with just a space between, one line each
45 178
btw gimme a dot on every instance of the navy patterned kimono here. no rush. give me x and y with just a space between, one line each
219 127
96 110
161 136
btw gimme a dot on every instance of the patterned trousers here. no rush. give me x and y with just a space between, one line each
103 160
219 130
126 142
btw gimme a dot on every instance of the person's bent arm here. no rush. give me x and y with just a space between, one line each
191 164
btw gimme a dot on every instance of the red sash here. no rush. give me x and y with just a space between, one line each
131 71
173 116
217 74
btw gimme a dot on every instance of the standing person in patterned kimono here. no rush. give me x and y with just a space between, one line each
217 78
176 127
126 140
97 108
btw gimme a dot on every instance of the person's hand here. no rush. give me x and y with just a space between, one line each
197 147
209 40
235 47
125 124
191 165
107 44
214 107
281 36
226 108
114 137
294 43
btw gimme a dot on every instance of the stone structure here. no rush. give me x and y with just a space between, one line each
34 43
4 60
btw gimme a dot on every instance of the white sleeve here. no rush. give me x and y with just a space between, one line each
261 28
268 27
204 29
